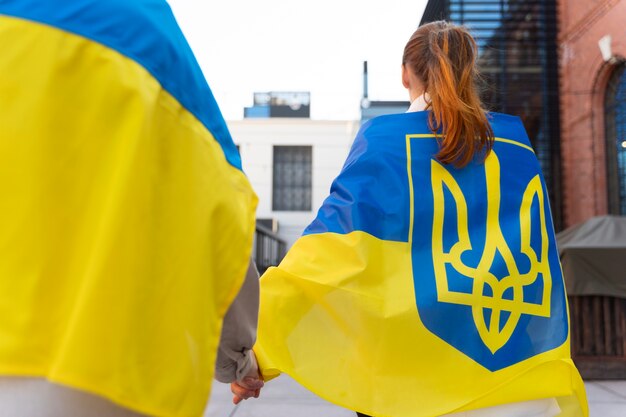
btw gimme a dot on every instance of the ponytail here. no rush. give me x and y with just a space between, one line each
443 56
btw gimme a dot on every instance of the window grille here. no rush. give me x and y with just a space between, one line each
292 182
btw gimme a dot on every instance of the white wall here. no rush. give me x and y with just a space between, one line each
330 140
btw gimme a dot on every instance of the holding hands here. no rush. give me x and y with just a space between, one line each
249 386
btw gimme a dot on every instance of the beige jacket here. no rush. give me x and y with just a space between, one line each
234 356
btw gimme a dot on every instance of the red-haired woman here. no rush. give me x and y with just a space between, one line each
429 283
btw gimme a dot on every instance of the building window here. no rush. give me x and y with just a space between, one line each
615 118
292 185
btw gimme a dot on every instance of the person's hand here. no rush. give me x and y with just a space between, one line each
249 386
246 388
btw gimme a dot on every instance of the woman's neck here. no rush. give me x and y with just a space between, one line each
419 103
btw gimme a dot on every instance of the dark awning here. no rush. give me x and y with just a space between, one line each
593 255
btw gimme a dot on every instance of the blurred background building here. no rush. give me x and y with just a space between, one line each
290 159
279 104
592 46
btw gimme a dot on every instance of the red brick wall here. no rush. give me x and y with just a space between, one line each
584 75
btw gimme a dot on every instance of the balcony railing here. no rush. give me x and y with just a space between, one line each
268 249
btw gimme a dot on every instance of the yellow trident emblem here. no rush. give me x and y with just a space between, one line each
490 332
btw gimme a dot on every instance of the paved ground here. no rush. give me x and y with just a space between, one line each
606 398
283 397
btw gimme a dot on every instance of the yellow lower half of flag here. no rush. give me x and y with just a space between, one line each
124 232
339 315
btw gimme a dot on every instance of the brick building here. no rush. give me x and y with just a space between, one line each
593 107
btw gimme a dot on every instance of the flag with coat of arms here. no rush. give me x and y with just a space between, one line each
421 289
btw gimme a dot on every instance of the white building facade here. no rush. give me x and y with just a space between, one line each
291 163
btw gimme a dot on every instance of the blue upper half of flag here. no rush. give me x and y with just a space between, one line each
146 32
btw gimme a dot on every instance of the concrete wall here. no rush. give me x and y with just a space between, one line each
584 76
331 141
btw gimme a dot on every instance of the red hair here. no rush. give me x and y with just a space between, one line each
443 57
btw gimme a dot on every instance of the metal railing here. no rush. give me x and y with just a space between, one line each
268 248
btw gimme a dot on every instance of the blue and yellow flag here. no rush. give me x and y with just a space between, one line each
421 289
126 223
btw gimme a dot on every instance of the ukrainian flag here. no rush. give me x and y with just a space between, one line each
421 289
126 223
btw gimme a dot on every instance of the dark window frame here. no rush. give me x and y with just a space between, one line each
615 136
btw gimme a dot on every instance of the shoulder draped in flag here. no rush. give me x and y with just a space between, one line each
420 289
126 223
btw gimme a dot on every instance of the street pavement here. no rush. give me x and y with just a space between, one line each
283 397
606 398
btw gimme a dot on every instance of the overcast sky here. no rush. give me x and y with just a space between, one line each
245 46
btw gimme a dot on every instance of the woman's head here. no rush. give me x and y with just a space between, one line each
441 58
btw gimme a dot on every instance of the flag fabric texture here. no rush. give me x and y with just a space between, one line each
421 289
126 223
